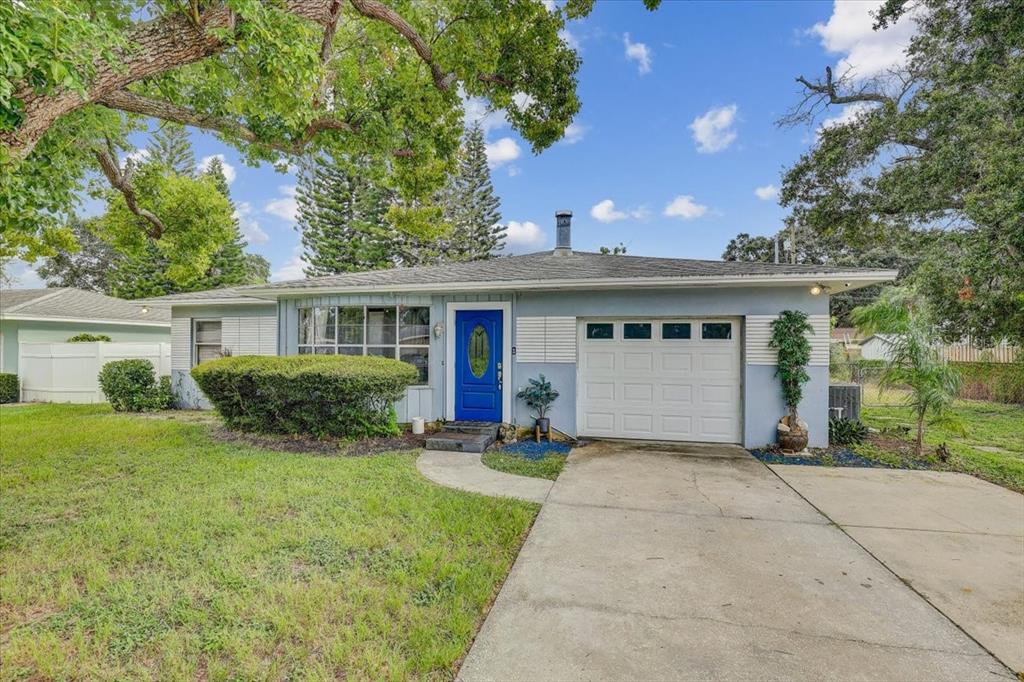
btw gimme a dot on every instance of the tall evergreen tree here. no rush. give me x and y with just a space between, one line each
470 204
342 220
170 147
229 266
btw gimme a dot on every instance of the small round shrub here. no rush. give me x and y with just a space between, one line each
132 386
88 338
318 395
9 388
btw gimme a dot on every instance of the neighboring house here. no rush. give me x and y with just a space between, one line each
876 347
651 348
55 315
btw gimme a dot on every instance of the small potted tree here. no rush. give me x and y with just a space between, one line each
789 339
538 395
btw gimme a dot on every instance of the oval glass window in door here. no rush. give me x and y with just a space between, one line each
479 351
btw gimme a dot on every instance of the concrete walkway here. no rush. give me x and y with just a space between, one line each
957 540
465 471
657 562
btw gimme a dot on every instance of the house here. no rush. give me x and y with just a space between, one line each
876 347
55 315
638 347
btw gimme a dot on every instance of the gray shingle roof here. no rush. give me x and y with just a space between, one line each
69 303
543 266
511 270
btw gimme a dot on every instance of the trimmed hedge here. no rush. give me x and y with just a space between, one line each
132 386
9 392
1001 382
320 395
86 337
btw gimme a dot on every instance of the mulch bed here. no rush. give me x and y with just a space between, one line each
327 447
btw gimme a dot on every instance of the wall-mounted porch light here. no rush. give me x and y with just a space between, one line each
817 289
438 330
145 310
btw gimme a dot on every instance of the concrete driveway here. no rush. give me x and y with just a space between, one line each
668 562
957 540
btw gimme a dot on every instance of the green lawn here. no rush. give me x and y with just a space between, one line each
549 467
988 426
135 547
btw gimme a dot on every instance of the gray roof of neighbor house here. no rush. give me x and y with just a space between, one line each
549 270
69 304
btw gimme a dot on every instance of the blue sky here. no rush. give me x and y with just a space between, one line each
675 149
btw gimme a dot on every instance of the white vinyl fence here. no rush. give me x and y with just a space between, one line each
68 372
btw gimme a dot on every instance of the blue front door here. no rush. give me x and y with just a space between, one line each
478 370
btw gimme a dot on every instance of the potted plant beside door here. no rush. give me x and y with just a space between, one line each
789 339
538 396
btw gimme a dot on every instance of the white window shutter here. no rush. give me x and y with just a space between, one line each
546 339
758 332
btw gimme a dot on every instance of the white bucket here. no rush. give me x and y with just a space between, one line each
417 425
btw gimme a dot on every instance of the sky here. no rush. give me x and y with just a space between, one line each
675 149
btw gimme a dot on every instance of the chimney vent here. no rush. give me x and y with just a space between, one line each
563 236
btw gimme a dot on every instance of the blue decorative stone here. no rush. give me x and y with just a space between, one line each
531 450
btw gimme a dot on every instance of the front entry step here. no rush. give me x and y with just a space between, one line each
464 436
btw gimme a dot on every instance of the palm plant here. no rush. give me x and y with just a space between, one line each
914 360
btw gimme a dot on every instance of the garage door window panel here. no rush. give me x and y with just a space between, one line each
636 331
675 331
600 331
716 331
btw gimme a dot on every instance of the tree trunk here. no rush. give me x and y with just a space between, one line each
919 447
155 47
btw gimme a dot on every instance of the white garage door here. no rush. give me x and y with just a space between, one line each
663 379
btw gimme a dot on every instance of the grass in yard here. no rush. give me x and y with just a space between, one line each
137 547
989 426
548 467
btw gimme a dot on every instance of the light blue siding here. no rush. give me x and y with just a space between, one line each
186 392
762 395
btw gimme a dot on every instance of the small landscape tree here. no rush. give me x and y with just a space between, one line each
789 338
914 359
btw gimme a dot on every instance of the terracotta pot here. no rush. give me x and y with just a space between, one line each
794 440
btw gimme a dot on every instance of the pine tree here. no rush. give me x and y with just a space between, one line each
229 266
471 205
171 148
341 220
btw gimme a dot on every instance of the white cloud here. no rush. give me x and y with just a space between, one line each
514 171
866 52
476 110
847 114
767 192
229 170
549 5
251 229
570 39
605 212
502 151
574 132
639 53
285 207
292 268
23 275
714 131
524 236
138 156
684 207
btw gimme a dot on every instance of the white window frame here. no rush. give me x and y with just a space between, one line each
195 337
365 345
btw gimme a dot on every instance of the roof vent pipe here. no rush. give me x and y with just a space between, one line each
563 234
